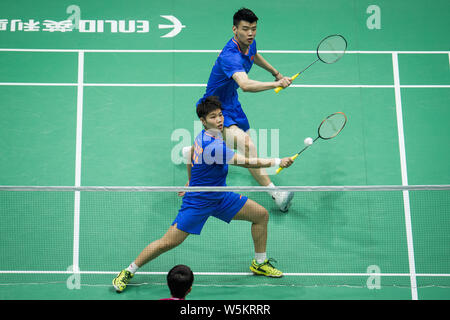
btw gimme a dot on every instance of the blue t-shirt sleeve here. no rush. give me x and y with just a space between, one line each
230 63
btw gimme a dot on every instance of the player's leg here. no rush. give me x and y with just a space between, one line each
236 138
259 217
170 240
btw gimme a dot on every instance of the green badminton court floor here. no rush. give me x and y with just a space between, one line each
104 107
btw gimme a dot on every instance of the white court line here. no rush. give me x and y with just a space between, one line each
43 84
227 188
211 51
144 85
406 202
204 85
341 86
79 135
356 52
294 274
425 86
368 86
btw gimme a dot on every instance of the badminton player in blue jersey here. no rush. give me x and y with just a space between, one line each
229 73
208 166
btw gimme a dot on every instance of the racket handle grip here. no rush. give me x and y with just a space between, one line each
295 76
278 89
280 168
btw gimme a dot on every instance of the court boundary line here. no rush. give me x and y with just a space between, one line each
404 173
295 274
78 159
217 51
376 86
437 187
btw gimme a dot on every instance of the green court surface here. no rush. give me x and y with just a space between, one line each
111 108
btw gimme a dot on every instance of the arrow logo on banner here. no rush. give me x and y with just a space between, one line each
177 26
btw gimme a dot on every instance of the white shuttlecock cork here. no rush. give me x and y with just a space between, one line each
308 141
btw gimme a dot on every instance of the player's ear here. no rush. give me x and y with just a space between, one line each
234 29
203 121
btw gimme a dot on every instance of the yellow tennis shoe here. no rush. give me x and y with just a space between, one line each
120 282
265 269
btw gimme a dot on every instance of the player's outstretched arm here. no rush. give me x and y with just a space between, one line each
242 161
249 85
263 63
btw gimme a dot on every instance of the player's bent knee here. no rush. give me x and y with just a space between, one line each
265 215
262 216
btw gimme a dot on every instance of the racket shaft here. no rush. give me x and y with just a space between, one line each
295 157
302 151
278 89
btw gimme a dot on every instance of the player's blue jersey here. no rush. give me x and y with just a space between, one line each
221 83
209 166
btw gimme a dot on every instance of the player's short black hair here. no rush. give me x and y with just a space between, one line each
207 105
244 14
179 280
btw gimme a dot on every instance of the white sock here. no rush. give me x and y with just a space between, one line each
132 268
271 185
260 257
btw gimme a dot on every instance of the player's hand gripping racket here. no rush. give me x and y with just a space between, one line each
329 50
328 128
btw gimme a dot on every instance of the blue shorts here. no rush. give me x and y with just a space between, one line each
237 117
191 217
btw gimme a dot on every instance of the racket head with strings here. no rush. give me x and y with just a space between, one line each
329 128
332 125
331 48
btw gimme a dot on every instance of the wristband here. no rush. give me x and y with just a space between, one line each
278 72
277 162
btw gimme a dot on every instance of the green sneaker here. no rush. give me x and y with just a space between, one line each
265 269
120 282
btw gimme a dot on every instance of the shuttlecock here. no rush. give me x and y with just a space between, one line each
308 141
